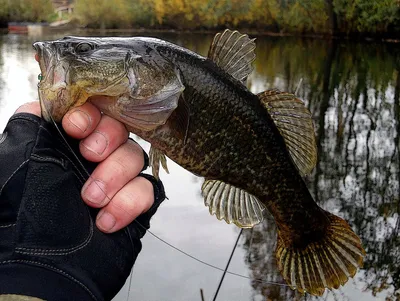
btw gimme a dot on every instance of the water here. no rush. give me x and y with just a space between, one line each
353 91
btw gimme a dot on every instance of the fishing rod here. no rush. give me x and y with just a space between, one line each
227 265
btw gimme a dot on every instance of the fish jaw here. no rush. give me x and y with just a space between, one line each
68 79
54 97
44 56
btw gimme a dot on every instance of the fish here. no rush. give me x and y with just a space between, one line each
253 150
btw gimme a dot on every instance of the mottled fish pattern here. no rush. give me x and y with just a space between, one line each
252 150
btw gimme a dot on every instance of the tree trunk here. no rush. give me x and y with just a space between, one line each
332 18
328 85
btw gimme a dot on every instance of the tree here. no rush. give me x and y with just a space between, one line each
365 15
103 13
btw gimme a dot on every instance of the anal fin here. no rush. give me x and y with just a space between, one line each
232 204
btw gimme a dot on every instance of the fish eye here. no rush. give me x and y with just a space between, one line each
83 48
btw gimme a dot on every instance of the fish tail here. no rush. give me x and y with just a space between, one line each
326 263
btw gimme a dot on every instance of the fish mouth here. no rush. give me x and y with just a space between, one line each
44 56
52 85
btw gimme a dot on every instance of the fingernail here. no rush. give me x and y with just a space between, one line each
96 142
106 221
95 192
80 119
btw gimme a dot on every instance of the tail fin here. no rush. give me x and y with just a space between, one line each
327 263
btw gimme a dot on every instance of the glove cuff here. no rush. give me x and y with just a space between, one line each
42 281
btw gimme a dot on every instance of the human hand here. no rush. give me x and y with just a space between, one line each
115 186
49 245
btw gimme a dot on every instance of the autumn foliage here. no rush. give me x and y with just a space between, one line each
301 16
281 16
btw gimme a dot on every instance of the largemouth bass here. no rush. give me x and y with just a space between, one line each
251 149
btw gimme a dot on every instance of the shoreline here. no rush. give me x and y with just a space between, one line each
253 32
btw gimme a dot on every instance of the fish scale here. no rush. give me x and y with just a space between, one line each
210 90
251 149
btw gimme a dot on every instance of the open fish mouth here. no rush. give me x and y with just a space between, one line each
52 85
44 56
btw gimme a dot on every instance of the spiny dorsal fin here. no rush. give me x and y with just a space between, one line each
156 157
294 122
233 52
232 204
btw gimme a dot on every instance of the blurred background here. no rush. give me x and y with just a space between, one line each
343 59
338 17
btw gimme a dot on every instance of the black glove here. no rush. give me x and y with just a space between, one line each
50 247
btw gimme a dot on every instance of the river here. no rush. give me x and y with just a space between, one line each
353 91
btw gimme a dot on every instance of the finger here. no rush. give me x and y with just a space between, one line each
81 121
133 199
112 174
30 107
106 138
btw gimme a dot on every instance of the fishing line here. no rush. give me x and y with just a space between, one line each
206 263
227 265
85 170
147 230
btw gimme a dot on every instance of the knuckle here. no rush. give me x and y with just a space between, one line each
146 184
147 192
134 199
135 149
119 166
127 205
129 157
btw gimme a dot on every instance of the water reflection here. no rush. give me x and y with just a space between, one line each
353 91
18 75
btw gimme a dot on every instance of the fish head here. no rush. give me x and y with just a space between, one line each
74 69
130 75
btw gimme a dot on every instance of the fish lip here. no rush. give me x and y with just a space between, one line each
44 52
46 89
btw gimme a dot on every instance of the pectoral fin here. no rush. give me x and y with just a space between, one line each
156 157
233 52
232 204
294 122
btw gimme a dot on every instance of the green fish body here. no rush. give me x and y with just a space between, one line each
229 136
251 149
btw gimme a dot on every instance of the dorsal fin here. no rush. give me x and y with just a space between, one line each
232 204
233 52
294 122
